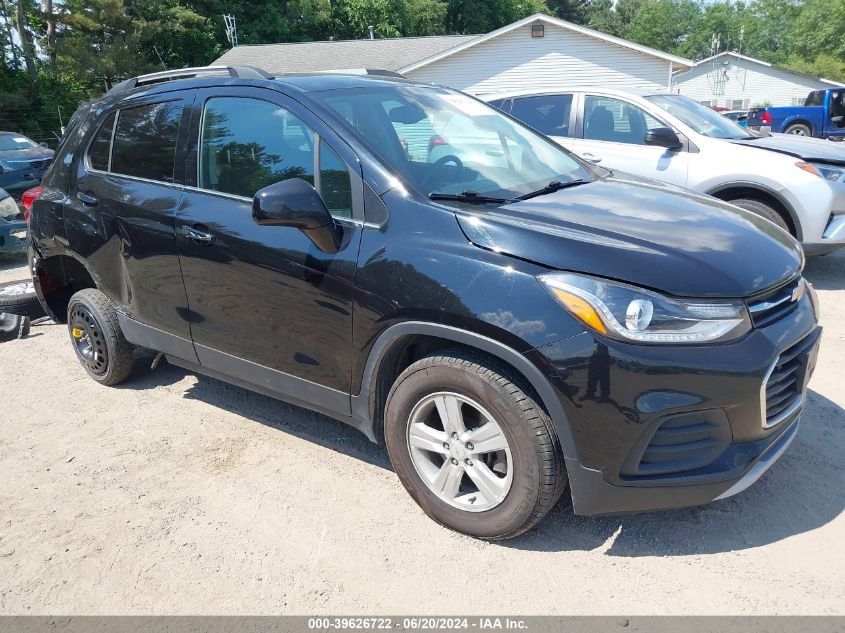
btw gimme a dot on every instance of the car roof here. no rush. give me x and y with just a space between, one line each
637 92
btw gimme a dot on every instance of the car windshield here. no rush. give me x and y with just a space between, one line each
700 118
15 141
445 143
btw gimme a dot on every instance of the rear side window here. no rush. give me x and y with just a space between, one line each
815 98
145 141
548 114
99 153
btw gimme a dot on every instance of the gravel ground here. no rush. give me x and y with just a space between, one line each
179 494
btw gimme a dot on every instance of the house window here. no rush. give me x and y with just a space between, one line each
739 104
706 102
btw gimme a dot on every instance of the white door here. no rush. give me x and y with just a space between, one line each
613 136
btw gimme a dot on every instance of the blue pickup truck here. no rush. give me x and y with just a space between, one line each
822 116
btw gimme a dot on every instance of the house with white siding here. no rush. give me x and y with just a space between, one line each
738 82
538 51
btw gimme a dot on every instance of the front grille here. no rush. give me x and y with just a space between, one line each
784 387
774 305
681 442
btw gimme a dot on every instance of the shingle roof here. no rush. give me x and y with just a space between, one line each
386 53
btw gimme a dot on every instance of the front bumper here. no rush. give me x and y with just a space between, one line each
664 427
12 236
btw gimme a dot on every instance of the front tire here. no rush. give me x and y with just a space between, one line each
97 338
474 449
763 210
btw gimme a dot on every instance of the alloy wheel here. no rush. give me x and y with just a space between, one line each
460 451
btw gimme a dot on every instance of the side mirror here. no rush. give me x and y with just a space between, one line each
663 137
42 144
295 203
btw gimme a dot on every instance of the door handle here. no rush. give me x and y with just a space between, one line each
87 198
200 237
591 158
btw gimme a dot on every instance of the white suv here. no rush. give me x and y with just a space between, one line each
797 183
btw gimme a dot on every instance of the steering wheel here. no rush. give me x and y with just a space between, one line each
438 165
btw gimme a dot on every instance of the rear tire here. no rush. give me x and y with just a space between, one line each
799 129
763 210
496 490
97 338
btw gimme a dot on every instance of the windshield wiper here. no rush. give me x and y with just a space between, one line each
467 195
554 185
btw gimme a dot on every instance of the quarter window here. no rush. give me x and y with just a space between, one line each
548 114
335 184
98 154
608 119
145 141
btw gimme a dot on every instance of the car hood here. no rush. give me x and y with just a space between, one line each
30 153
804 147
644 233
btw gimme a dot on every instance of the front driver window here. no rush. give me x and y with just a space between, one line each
247 144
614 120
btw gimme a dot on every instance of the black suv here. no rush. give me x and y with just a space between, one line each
506 318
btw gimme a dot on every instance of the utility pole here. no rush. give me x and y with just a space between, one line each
231 29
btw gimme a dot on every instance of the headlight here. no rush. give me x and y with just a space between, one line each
8 208
828 172
634 314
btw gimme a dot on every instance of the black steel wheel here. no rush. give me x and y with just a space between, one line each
97 339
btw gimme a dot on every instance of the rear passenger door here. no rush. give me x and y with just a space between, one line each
121 210
267 305
549 114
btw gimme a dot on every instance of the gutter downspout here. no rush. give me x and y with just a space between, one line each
669 85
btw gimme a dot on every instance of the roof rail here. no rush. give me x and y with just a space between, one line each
380 72
244 72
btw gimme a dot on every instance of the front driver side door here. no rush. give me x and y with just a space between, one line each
267 305
611 133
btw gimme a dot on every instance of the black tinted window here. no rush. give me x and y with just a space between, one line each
145 141
247 144
548 114
101 145
815 98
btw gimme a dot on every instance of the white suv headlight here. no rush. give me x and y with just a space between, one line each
634 314
833 173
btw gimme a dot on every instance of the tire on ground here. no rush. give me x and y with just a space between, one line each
763 210
13 326
539 474
92 311
18 297
800 129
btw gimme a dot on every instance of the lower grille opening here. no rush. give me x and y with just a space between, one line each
680 442
785 384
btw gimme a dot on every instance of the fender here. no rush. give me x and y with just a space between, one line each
362 413
798 118
37 260
765 189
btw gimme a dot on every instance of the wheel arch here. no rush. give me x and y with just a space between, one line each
798 121
733 190
56 278
389 356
